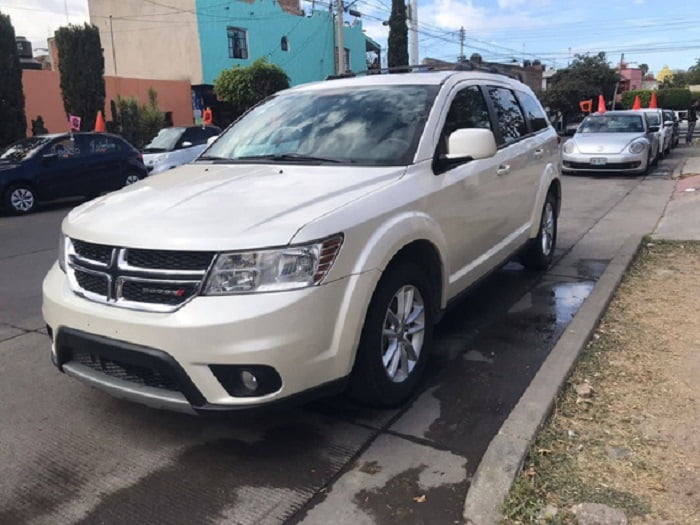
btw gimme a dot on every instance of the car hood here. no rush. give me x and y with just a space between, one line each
5 166
604 142
222 207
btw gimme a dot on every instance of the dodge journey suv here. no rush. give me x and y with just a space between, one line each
311 248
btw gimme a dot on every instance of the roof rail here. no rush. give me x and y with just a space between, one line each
411 68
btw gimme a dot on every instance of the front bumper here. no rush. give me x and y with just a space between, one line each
622 162
307 336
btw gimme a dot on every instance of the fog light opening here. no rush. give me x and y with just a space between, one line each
249 380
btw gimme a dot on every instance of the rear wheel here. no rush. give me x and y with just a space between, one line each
131 178
396 338
539 252
20 199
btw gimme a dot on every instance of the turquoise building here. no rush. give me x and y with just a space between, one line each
302 43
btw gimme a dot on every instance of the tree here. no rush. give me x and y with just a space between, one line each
82 70
586 78
243 87
693 75
38 127
13 123
398 35
138 124
644 68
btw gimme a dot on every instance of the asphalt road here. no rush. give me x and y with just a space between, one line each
71 454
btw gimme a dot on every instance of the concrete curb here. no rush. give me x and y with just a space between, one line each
507 451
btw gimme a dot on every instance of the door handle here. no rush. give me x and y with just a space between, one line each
538 153
503 169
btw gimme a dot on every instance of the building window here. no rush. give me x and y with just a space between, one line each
284 44
237 42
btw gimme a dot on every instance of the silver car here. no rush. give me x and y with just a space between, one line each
613 141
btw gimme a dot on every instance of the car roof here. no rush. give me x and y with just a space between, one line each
427 78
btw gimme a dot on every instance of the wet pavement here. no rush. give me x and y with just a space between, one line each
71 454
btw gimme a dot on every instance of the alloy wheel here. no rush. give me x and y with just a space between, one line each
547 228
403 333
131 179
22 199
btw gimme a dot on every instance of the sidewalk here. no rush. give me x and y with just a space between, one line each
502 463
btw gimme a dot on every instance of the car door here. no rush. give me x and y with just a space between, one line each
104 163
60 168
465 201
515 172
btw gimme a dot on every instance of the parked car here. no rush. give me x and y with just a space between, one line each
48 167
620 141
670 116
175 146
655 119
312 247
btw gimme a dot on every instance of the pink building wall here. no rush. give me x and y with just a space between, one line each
42 94
634 75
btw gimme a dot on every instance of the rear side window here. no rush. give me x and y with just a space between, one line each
533 112
511 122
468 110
102 145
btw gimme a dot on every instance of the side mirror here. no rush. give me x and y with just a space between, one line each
654 129
186 144
211 140
472 143
668 123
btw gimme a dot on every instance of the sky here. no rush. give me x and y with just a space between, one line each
653 32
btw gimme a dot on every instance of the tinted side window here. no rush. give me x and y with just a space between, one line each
468 110
534 113
511 121
65 148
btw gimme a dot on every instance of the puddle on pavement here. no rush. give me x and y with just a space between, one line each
494 365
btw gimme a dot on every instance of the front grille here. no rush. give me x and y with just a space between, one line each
90 282
605 167
169 260
94 252
152 280
157 293
133 373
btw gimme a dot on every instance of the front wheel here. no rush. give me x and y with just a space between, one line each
20 199
396 338
539 252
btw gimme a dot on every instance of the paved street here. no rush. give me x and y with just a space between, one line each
71 454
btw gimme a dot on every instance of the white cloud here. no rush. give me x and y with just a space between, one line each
39 19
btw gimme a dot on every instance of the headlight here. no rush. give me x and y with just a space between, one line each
274 270
637 147
569 146
62 252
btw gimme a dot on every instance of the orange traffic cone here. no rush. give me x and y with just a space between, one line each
601 104
652 102
100 122
637 103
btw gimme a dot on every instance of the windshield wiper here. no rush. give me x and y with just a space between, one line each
294 157
213 157
154 150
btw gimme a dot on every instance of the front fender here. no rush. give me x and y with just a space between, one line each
549 175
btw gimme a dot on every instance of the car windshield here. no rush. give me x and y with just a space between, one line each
377 126
23 149
612 124
165 140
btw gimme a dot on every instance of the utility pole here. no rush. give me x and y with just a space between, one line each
462 36
413 17
114 53
339 37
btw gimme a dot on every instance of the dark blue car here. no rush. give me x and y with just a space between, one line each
49 167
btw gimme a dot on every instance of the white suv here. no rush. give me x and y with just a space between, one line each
311 248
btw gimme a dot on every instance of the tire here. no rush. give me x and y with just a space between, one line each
395 341
20 199
539 252
131 178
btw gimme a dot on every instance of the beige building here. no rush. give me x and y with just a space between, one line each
130 28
